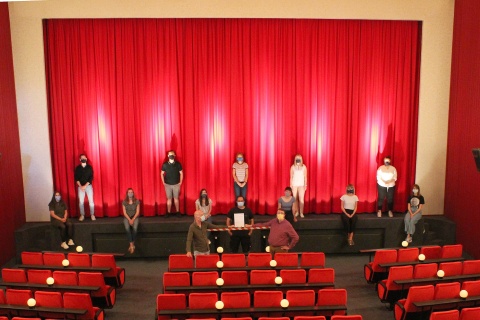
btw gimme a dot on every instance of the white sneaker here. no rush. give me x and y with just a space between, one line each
296 214
379 214
81 218
390 214
301 215
93 218
71 243
64 245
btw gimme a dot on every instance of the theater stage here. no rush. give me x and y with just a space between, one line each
160 237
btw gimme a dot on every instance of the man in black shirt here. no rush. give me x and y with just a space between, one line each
172 177
83 179
240 236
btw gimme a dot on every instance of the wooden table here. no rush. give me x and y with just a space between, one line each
74 312
46 287
190 270
251 287
412 263
69 268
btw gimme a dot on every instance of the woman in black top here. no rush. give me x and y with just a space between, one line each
131 212
59 219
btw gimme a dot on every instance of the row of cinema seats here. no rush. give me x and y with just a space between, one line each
334 317
261 299
374 273
236 260
104 296
260 277
114 276
51 300
424 300
464 314
389 290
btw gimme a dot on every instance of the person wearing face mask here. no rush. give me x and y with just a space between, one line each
282 237
240 176
59 219
197 235
298 182
386 177
415 204
131 213
287 204
349 209
83 179
238 237
172 178
204 204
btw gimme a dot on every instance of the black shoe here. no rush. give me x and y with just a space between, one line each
178 214
167 215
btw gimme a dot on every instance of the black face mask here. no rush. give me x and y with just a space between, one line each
83 160
349 190
204 195
171 157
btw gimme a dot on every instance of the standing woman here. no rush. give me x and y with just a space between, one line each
287 204
298 183
59 219
204 204
349 209
131 213
415 204
240 176
386 177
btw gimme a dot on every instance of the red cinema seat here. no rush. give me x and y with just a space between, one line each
14 275
179 261
259 259
448 290
472 287
445 315
175 279
350 317
471 267
313 259
309 318
451 268
51 300
332 297
372 271
82 301
20 297
67 278
266 299
208 278
406 307
407 254
32 258
79 259
170 301
431 252
451 251
232 300
388 290
293 276
206 261
427 270
235 278
470 314
233 260
202 301
321 275
53 258
286 259
105 295
116 275
38 276
300 298
263 276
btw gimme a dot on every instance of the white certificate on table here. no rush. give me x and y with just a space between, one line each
239 219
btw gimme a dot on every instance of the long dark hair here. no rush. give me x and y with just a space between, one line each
417 187
127 199
53 201
207 201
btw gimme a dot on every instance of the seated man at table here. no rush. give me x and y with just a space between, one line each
282 236
197 234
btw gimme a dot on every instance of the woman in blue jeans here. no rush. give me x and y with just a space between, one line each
131 213
415 204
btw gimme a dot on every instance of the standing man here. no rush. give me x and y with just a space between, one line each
240 236
172 177
197 234
282 236
84 178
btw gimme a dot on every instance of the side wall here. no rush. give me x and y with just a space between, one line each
12 214
26 24
462 200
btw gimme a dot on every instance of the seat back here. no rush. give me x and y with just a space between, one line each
312 259
32 258
206 261
265 299
2 297
235 299
452 251
49 299
398 273
235 278
18 296
321 275
293 276
179 261
445 315
470 314
332 297
68 278
175 279
407 254
431 252
105 260
38 276
79 259
427 270
72 300
301 298
472 287
286 259
94 279
53 258
309 318
350 317
451 268
471 267
170 301
233 260
259 259
448 290
262 276
416 294
208 278
202 300
383 256
14 275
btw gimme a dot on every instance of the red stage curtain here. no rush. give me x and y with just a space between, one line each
341 93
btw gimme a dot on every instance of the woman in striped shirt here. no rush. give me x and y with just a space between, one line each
240 176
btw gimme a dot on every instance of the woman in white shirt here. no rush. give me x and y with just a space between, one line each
298 183
386 177
349 209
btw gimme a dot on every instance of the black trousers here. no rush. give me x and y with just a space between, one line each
66 229
385 192
237 239
349 223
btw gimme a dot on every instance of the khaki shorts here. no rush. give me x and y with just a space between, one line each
172 190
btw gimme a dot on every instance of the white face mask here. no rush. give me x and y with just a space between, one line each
280 217
202 218
415 191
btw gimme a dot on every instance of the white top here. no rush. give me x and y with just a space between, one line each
384 174
298 178
240 170
349 201
204 209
